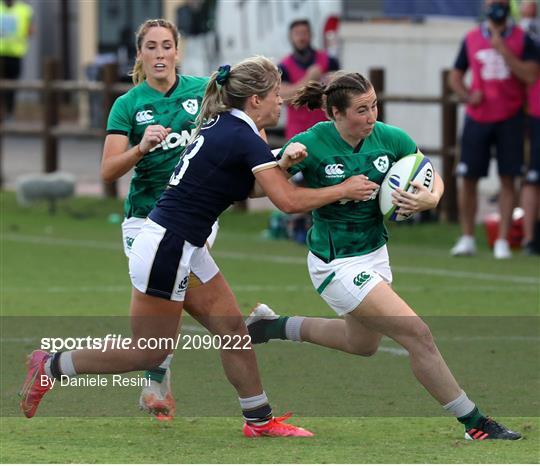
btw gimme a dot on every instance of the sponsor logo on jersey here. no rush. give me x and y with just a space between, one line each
144 116
356 201
361 279
129 242
373 194
382 163
191 106
174 140
334 170
182 286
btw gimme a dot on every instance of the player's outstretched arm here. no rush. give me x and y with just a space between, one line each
293 154
293 199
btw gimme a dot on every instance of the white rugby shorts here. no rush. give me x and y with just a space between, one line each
132 226
160 263
130 229
344 283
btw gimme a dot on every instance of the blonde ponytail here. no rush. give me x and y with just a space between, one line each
252 76
137 73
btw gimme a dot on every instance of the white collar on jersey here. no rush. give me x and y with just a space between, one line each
244 116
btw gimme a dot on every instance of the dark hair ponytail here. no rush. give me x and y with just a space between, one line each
310 96
336 94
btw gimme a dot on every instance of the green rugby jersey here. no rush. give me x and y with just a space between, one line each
143 106
348 228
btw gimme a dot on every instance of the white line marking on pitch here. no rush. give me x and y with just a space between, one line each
279 259
267 288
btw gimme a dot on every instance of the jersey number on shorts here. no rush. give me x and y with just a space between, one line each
183 165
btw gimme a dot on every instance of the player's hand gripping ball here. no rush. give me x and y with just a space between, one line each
414 167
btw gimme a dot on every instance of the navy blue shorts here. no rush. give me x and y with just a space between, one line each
479 139
532 174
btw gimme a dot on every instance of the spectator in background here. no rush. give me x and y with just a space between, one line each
530 193
503 60
16 27
530 22
302 65
193 17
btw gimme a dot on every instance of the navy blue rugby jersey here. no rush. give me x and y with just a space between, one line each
214 171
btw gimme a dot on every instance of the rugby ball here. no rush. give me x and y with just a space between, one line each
401 174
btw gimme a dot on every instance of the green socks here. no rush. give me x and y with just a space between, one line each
157 374
276 328
472 419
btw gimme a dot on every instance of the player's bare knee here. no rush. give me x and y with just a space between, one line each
232 326
423 338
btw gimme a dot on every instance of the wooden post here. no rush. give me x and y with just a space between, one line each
449 203
1 144
376 76
50 115
2 116
1 161
110 77
65 46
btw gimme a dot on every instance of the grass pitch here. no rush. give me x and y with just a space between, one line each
66 273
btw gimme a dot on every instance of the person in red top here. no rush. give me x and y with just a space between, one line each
297 69
503 60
